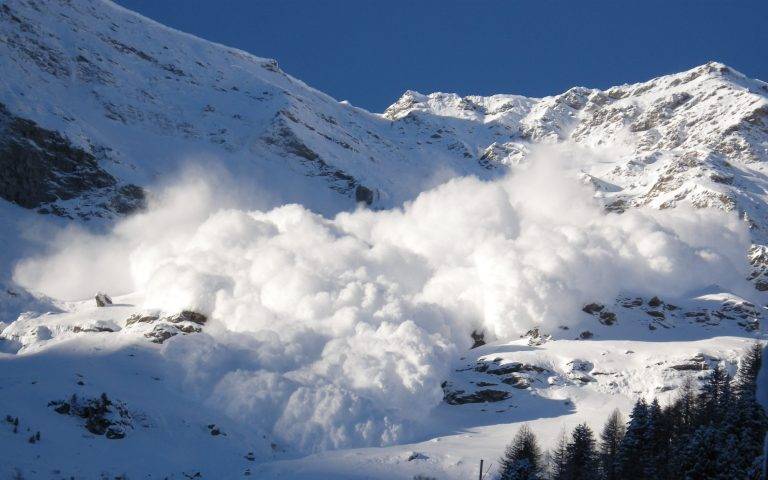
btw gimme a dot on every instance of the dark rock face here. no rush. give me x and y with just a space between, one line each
507 368
161 333
39 167
364 195
593 308
102 416
95 329
187 316
478 339
697 363
459 397
655 302
102 300
604 316
138 318
164 328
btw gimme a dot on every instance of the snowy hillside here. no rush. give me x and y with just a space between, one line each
303 289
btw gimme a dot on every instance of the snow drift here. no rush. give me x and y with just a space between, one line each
338 332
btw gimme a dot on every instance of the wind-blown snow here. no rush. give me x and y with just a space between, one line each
337 332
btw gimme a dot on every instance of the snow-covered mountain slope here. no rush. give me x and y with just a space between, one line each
697 137
135 99
139 99
167 408
594 246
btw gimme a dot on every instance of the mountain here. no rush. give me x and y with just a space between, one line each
134 99
591 246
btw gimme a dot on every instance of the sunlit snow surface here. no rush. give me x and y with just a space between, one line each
330 334
333 334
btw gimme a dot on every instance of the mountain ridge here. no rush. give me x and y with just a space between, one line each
330 144
300 334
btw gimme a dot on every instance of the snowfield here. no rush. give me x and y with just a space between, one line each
298 288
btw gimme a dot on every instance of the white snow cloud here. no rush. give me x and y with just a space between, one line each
338 332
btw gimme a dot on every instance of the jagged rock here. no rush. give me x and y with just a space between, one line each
102 415
102 300
593 308
115 432
604 316
187 316
607 318
187 328
478 339
486 384
697 363
655 302
517 381
507 368
578 371
93 329
535 337
364 195
586 335
460 397
39 167
215 430
416 456
161 333
141 318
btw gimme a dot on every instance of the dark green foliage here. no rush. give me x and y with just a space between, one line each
581 459
714 434
610 442
522 458
557 458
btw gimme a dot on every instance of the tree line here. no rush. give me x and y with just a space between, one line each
715 433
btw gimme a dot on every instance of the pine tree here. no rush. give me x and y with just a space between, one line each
683 410
656 444
522 458
582 461
610 441
745 422
714 397
682 419
632 449
702 458
557 458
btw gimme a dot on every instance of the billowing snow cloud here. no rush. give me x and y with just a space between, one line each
338 332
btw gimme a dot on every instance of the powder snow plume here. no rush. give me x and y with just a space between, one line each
338 332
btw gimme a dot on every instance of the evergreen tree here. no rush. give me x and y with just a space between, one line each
745 422
632 451
522 458
610 441
702 458
714 396
682 418
656 444
582 461
558 457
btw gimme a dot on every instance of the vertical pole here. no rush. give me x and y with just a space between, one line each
480 476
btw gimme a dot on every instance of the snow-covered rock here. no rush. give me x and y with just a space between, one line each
268 340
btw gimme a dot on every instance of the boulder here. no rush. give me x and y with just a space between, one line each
478 339
141 318
103 300
593 308
460 397
187 316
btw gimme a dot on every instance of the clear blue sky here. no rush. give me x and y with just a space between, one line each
370 52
